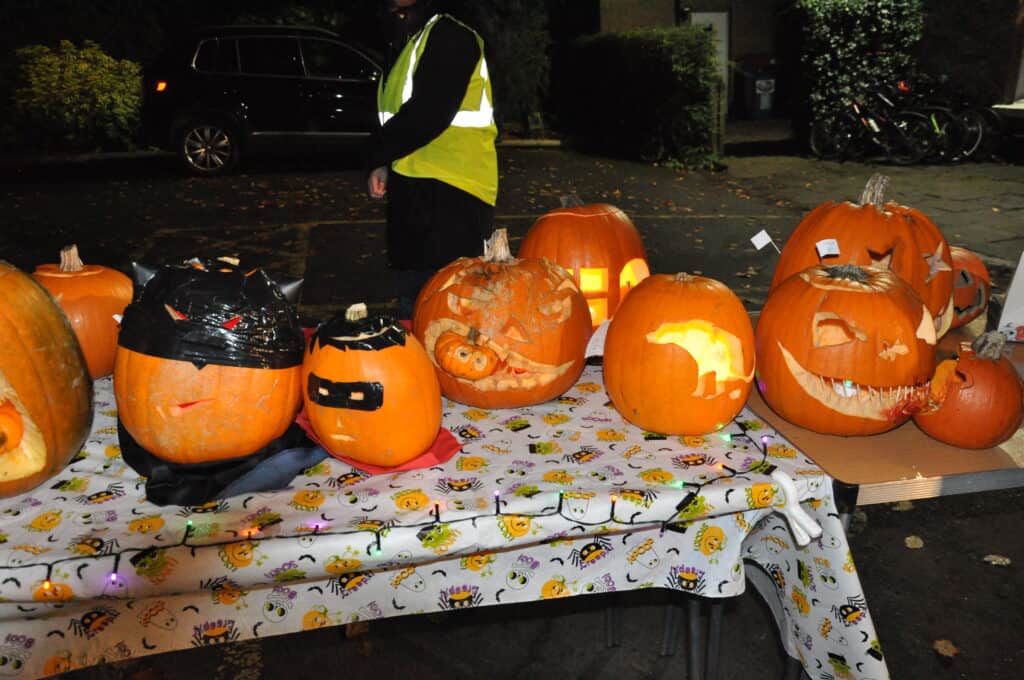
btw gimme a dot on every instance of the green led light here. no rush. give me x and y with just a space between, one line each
726 437
847 383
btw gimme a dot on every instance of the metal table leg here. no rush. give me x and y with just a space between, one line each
693 616
714 639
670 632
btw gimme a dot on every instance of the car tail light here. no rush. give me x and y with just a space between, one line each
161 85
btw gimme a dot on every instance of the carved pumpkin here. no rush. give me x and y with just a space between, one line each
600 248
679 355
90 296
503 332
873 234
975 400
371 392
844 350
45 389
209 362
972 286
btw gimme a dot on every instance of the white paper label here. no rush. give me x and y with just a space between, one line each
595 346
761 239
827 247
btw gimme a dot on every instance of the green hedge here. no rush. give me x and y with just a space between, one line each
642 94
74 99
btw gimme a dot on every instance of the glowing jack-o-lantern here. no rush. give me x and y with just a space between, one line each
877 234
972 286
208 365
503 332
975 400
598 245
679 355
845 350
371 393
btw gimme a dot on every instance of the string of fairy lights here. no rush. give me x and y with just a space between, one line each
375 548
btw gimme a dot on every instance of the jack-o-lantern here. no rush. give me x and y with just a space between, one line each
873 234
91 296
45 389
598 245
679 355
371 392
503 332
975 400
972 286
845 350
208 366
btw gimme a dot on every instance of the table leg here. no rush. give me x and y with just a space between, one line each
670 633
714 638
611 622
693 623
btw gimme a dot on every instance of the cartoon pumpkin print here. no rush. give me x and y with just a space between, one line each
61 662
52 591
341 565
554 588
317 617
47 521
410 500
710 539
657 476
471 463
478 562
514 526
781 451
146 525
799 598
307 500
760 495
236 556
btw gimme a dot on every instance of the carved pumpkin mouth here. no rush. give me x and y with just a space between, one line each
512 371
854 399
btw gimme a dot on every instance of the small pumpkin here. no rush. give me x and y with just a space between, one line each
975 400
844 350
874 233
45 389
371 391
679 355
598 245
503 332
91 297
972 286
209 362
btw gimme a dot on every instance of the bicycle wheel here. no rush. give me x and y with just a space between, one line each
830 138
910 138
973 125
947 136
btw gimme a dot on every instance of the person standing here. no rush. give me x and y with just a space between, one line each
433 158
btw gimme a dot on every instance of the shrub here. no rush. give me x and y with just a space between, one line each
851 44
75 99
640 94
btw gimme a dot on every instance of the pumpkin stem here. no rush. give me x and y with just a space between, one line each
356 312
70 260
874 191
570 201
989 345
496 248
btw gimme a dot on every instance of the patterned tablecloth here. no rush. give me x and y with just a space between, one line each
551 501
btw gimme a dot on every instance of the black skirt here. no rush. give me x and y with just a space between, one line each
430 223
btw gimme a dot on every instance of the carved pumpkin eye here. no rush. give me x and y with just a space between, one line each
831 330
881 260
514 330
175 314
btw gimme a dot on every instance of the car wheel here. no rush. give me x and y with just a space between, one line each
209 147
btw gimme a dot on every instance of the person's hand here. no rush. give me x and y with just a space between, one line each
377 182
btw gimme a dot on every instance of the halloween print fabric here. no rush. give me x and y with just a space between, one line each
551 501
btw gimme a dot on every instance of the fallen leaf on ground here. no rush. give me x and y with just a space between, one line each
913 542
997 560
945 648
902 506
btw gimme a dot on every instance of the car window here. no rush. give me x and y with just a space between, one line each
327 59
270 56
217 56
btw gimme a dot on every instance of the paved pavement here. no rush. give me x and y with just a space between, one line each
310 219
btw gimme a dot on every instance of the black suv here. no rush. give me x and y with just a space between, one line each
227 90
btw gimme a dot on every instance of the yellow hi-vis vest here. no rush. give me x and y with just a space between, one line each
463 155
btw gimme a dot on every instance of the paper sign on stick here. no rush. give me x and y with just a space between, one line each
1011 321
826 247
762 239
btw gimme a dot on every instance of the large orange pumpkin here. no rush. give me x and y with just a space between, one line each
209 365
975 400
873 233
45 389
371 391
972 286
503 332
599 246
844 350
679 355
91 296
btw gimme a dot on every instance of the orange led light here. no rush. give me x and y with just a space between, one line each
161 85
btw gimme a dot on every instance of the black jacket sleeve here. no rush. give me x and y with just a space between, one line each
438 86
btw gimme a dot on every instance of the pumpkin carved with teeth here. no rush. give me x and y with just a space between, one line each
845 350
503 332
877 233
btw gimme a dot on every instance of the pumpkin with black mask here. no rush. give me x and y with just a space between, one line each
371 391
